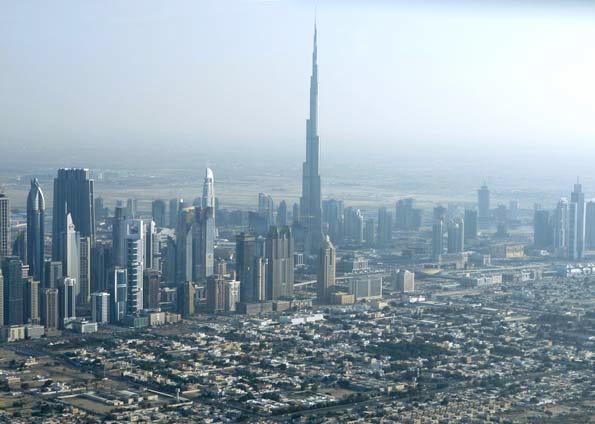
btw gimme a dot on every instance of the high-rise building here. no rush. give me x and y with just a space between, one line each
279 254
31 301
70 250
407 218
118 290
216 294
135 234
203 246
326 269
576 222
151 248
118 236
35 230
483 204
354 225
101 264
132 208
266 209
100 302
158 212
561 228
186 298
19 245
385 226
232 295
208 190
370 232
73 195
12 272
4 226
437 239
333 217
311 201
470 224
542 229
173 212
151 288
53 273
282 214
456 231
67 301
590 224
404 281
245 262
84 287
1 296
50 309
101 212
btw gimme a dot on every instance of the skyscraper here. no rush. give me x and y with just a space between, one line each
118 293
173 212
186 296
67 301
245 256
203 243
208 191
31 301
483 202
333 216
50 308
590 224
100 302
12 272
53 272
73 194
542 229
151 289
158 212
84 287
35 230
4 225
70 250
135 235
407 217
385 226
279 254
576 212
437 238
1 296
326 269
118 236
311 204
456 231
561 223
216 294
470 224
282 214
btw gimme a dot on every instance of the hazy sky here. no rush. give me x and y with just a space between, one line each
211 75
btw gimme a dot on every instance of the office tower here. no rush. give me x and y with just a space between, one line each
279 254
135 234
203 243
4 226
19 245
561 227
208 191
542 229
216 294
282 214
437 239
439 213
100 302
1 296
84 287
12 272
31 301
118 290
470 224
354 225
232 295
333 216
151 289
71 251
483 204
131 209
405 281
101 264
73 195
184 245
385 226
186 298
67 301
220 267
173 213
576 211
590 224
245 256
118 236
326 269
266 209
50 309
311 205
101 212
151 248
407 218
35 230
53 272
370 232
456 231
158 212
